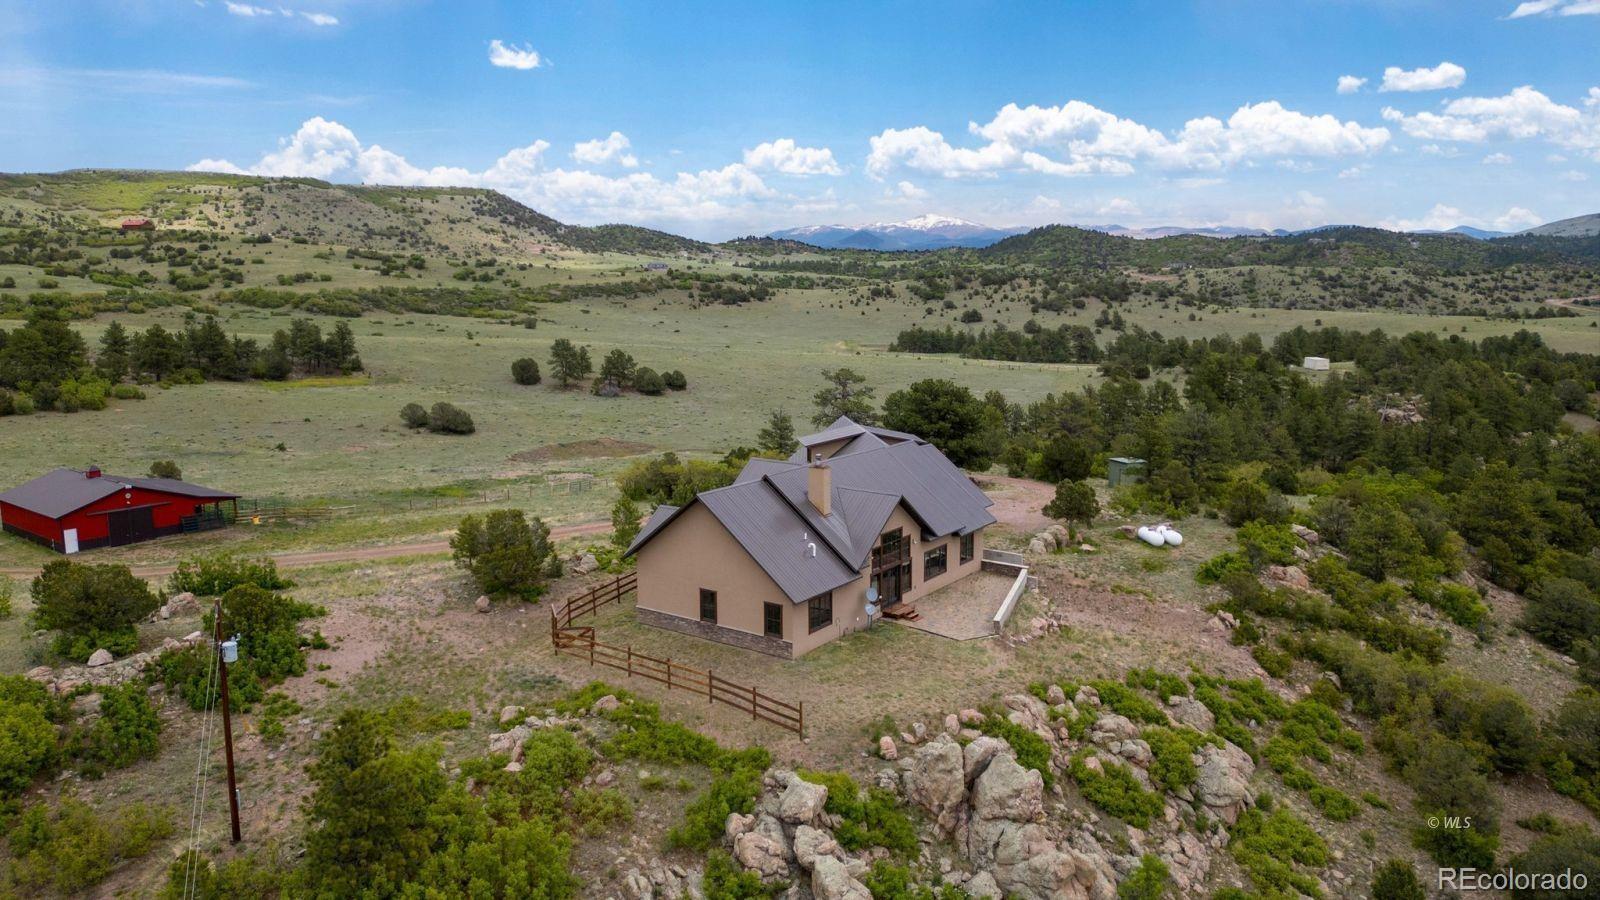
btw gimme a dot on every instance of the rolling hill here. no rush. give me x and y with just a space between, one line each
470 221
1577 226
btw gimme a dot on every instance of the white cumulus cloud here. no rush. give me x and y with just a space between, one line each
785 156
1078 138
1443 217
1522 114
1444 75
510 56
1349 84
325 149
612 148
909 191
1497 159
1555 8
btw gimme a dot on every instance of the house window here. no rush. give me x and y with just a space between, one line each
967 546
772 619
708 606
819 609
935 562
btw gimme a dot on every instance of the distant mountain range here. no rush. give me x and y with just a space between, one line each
934 232
922 233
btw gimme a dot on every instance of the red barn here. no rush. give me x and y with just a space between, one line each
138 223
69 510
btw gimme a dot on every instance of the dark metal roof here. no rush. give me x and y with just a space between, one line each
61 491
768 511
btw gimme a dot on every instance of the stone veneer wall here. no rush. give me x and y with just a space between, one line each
722 635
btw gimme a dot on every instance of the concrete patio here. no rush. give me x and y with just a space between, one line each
965 610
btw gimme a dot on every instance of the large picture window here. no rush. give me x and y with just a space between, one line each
708 606
772 620
968 543
819 609
935 562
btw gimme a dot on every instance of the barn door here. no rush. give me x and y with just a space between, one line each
125 526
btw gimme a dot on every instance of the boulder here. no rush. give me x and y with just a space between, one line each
605 704
970 717
976 756
182 604
810 844
101 657
40 673
510 714
1191 712
802 801
762 855
1008 791
482 603
1223 780
1289 576
887 749
1030 712
831 880
635 886
585 564
935 780
1134 751
1036 547
952 725
507 742
1086 696
1109 729
1306 534
737 824
982 887
1054 695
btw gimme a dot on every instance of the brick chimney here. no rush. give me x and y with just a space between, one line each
92 472
819 486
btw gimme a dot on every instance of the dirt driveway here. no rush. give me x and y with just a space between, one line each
303 558
1018 502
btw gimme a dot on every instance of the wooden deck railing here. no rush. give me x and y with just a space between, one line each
580 641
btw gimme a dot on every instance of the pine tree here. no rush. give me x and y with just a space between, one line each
778 435
116 353
845 395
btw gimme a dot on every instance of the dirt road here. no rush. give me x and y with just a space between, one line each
302 558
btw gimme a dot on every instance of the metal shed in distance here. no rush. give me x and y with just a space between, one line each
1124 467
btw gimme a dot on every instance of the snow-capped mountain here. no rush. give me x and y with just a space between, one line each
929 232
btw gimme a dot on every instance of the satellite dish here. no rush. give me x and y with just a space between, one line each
872 595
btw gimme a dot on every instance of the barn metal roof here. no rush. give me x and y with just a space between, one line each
805 553
61 491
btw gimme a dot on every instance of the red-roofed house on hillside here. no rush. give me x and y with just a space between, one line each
138 223
69 510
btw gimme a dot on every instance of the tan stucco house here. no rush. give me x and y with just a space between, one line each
782 560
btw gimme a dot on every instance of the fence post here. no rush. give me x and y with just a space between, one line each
591 650
669 673
802 720
630 660
752 703
711 679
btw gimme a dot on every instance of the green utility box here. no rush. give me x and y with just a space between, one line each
1124 467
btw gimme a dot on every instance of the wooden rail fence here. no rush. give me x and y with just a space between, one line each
580 641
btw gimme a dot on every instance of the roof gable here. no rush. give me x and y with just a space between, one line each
61 491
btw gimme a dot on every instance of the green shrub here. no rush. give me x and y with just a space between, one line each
732 791
1576 849
1460 604
7 592
888 881
1148 882
1033 752
1219 567
74 847
727 880
1263 543
414 416
1275 848
525 371
447 418
1172 767
29 744
215 575
1396 880
240 878
1163 684
1116 791
648 381
674 380
507 554
91 605
1274 662
1126 701
127 730
190 672
872 820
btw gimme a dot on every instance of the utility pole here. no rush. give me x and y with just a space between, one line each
228 651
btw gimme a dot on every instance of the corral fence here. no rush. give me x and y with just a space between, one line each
255 513
580 641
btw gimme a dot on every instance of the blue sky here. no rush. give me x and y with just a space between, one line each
718 119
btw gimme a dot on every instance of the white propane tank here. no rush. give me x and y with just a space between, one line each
1170 535
1150 536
